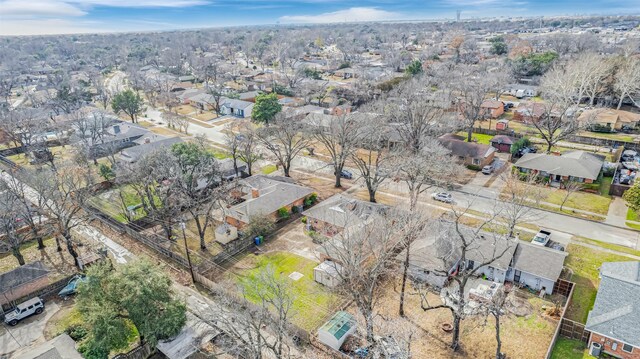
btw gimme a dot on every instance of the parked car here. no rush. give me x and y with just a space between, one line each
442 197
71 288
488 169
542 238
24 310
345 174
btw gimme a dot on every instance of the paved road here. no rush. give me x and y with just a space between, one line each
484 200
28 332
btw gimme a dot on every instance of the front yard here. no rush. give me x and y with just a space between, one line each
584 263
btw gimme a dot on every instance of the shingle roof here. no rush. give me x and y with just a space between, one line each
538 260
22 275
465 149
616 311
502 139
491 104
133 154
575 163
233 103
60 347
342 211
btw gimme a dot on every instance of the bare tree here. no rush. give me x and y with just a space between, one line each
10 226
373 159
458 242
365 256
518 196
24 206
627 81
247 150
284 140
232 143
339 136
495 308
570 187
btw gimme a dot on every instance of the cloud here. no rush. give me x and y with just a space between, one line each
354 14
46 27
22 8
140 3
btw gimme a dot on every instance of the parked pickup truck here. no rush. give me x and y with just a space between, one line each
543 238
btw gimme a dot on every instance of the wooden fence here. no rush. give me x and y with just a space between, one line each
574 330
571 286
563 287
140 352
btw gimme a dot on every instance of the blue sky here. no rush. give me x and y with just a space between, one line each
28 17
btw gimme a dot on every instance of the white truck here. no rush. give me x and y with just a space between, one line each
543 238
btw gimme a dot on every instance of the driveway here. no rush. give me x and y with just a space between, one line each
28 332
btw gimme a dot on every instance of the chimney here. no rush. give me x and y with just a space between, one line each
147 140
255 193
116 129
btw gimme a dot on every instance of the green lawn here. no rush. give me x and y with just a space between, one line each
614 247
570 349
111 203
580 200
585 263
633 225
480 138
632 215
605 185
269 169
312 300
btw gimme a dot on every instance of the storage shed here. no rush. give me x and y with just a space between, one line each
502 143
334 332
327 273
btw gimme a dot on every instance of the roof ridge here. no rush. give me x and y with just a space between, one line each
608 316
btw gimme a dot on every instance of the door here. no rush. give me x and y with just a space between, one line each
537 283
516 276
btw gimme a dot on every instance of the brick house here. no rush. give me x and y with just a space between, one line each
264 195
529 112
332 216
468 153
613 321
579 166
492 108
23 281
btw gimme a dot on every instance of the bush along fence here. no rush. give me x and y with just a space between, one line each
563 286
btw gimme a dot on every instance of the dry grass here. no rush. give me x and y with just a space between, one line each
206 116
60 263
185 109
323 186
382 198
166 132
477 334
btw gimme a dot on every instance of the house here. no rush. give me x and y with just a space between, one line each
335 331
195 335
529 112
149 145
520 91
346 73
609 119
502 143
117 137
579 166
492 108
435 257
265 196
22 281
237 108
187 78
613 321
60 347
536 266
468 153
338 212
502 125
228 171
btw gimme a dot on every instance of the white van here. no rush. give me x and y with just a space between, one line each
23 310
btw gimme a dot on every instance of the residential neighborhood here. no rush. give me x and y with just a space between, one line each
367 186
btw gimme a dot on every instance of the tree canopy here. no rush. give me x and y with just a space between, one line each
266 108
414 68
137 294
128 102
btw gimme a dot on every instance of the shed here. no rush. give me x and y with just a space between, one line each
327 273
502 125
502 143
334 332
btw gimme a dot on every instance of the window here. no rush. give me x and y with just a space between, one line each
614 346
627 348
470 264
476 161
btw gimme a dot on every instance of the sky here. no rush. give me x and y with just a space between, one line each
39 17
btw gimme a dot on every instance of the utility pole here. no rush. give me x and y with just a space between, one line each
186 248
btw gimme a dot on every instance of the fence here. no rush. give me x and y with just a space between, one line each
44 293
563 287
574 330
140 352
571 286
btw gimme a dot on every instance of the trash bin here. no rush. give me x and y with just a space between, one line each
257 240
595 349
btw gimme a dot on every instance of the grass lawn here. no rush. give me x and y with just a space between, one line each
111 203
633 225
585 262
312 301
60 263
478 137
632 215
269 169
570 349
579 200
614 247
608 136
605 185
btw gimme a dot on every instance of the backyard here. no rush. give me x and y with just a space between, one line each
111 202
584 263
59 263
313 302
570 349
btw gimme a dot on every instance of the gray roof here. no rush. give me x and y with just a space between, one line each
342 211
133 154
502 139
575 163
22 275
486 248
616 311
233 103
273 197
60 347
540 261
459 147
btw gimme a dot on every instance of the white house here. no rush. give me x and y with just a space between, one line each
237 108
536 267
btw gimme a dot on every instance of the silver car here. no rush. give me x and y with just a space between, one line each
442 197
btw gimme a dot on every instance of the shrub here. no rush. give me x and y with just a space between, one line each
77 332
283 213
311 199
474 167
303 220
294 209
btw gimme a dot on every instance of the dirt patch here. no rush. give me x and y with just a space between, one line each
323 186
517 305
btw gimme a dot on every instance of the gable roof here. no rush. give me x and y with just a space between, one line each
22 275
343 211
575 163
502 139
233 103
484 249
60 347
460 148
133 154
616 311
491 104
538 260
